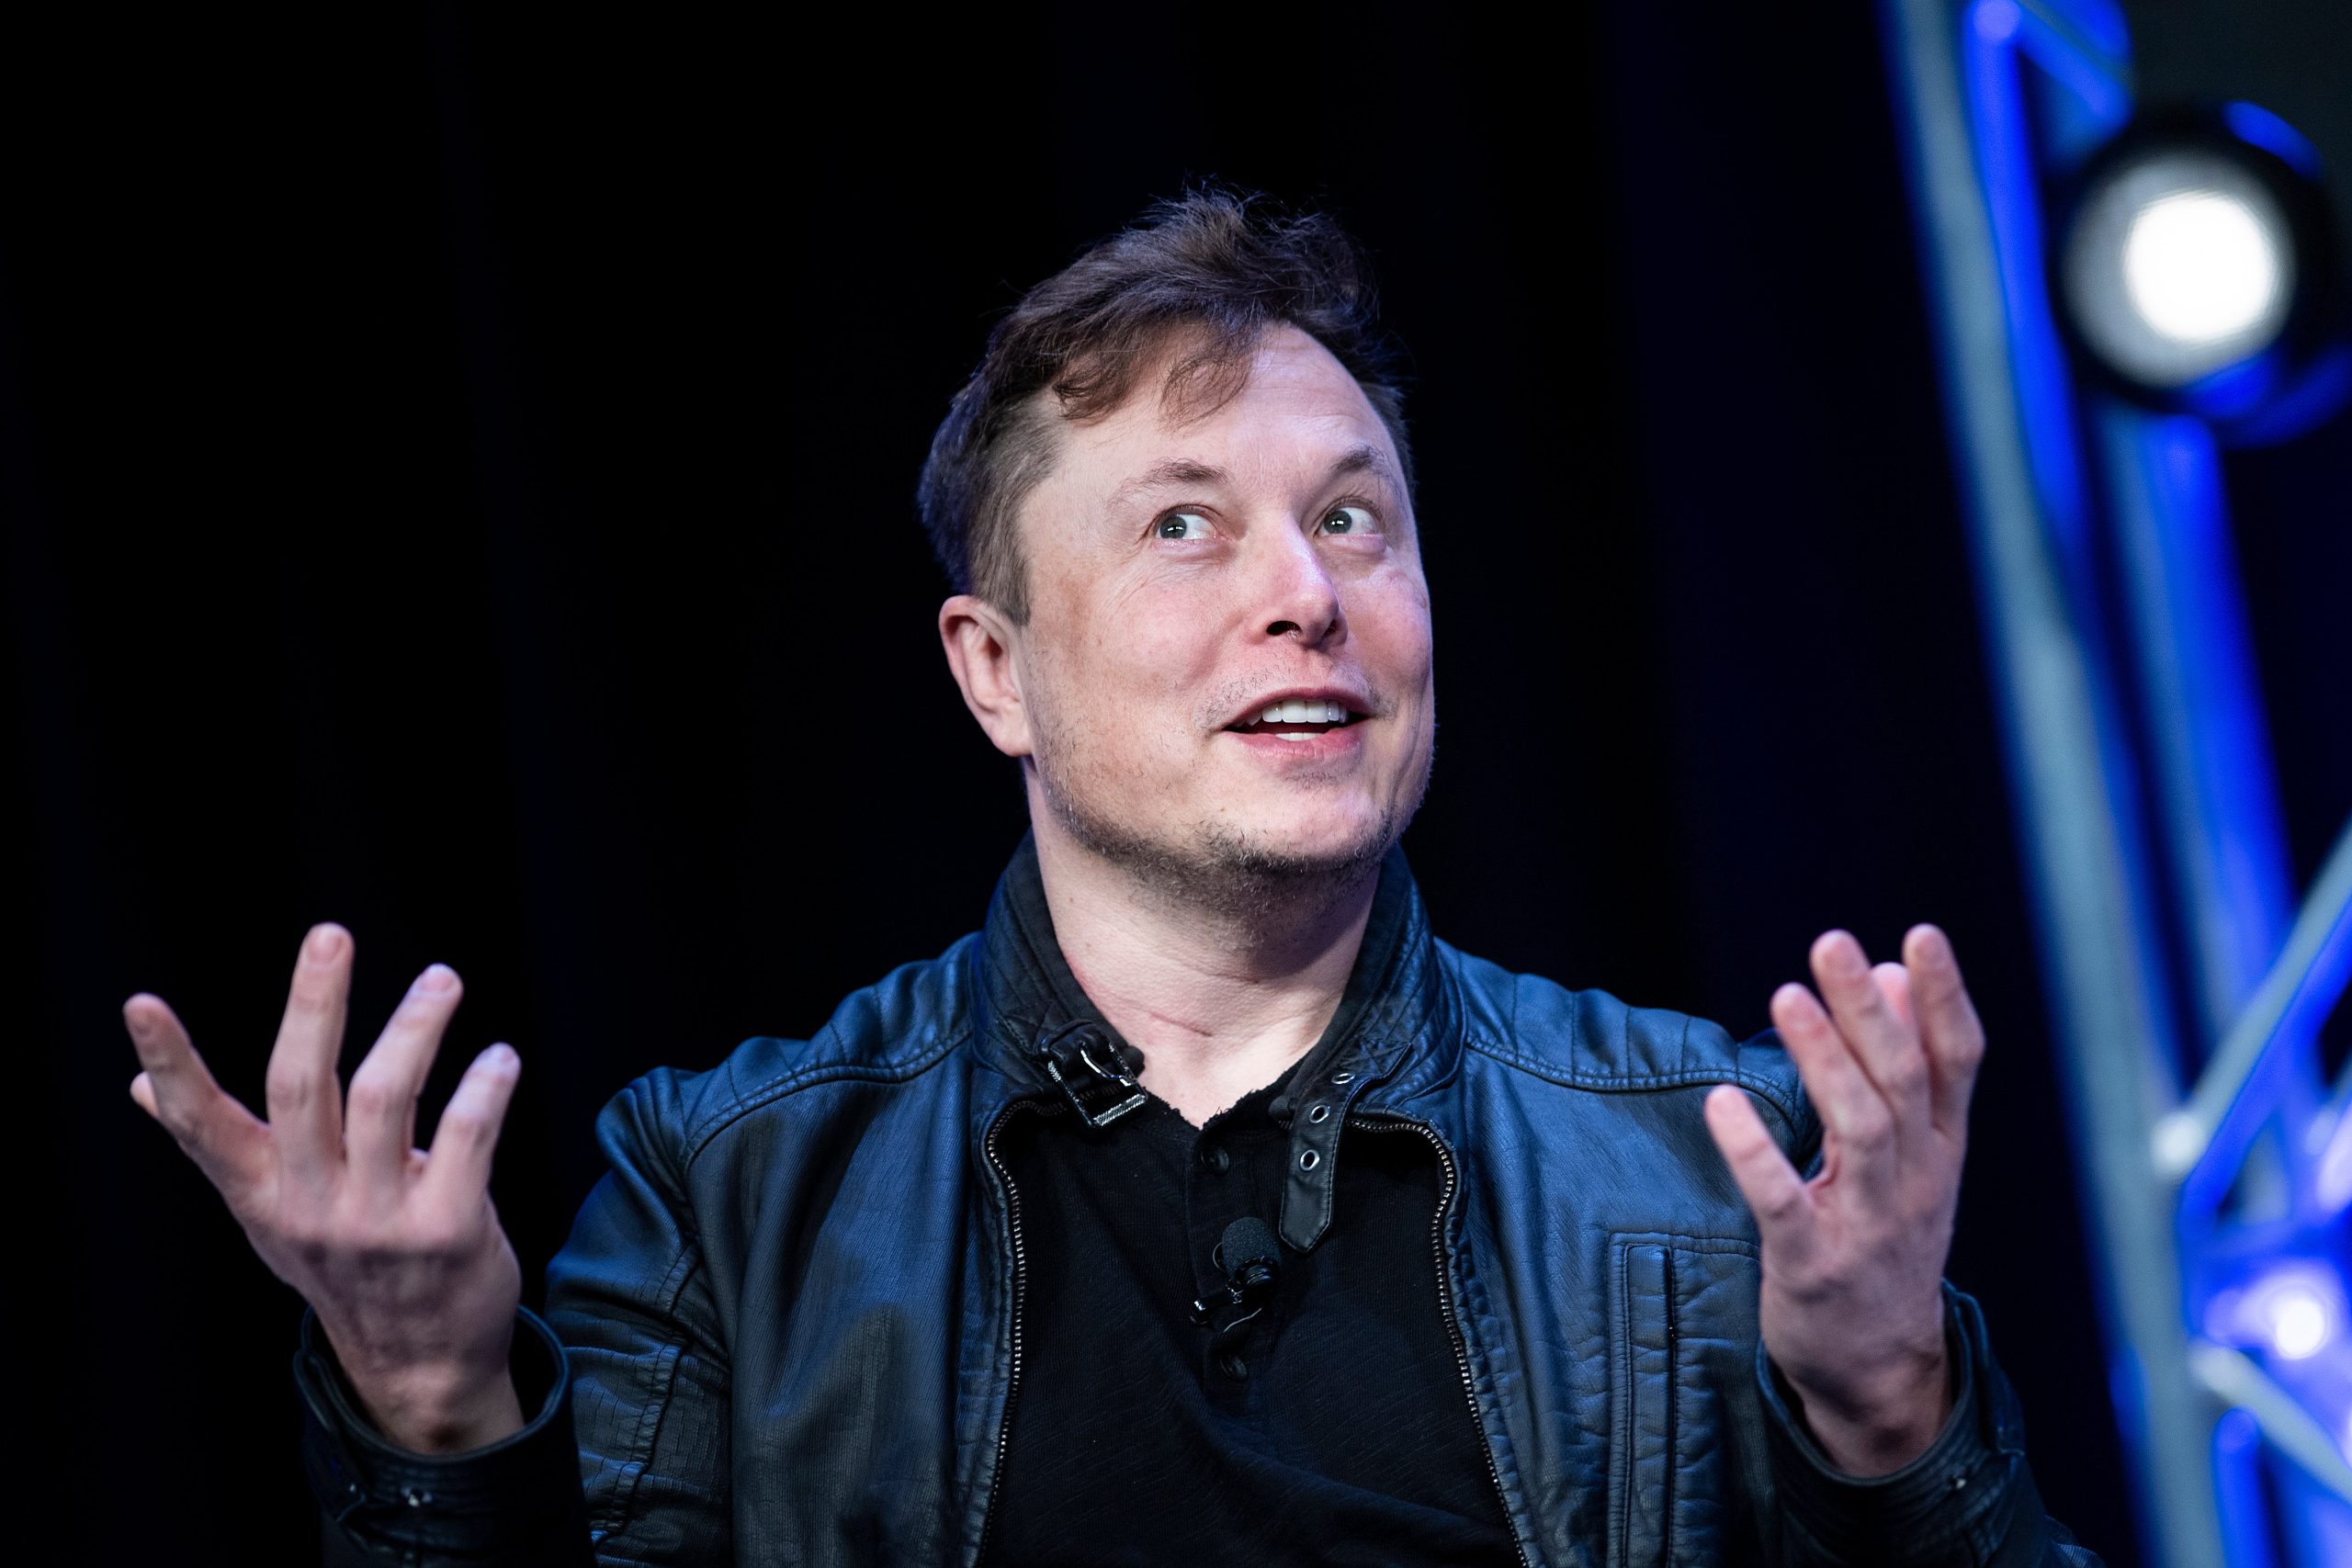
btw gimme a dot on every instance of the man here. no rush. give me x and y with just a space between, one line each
1202 1205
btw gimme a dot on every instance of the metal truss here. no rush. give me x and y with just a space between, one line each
2187 985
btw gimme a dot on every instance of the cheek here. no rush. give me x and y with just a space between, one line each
1391 627
1153 646
1124 682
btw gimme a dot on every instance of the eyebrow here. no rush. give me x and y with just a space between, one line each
1175 472
1169 474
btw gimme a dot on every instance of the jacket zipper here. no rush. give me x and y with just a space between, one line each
1445 1301
1673 1332
1020 1292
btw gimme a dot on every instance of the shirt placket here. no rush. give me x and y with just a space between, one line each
1233 1169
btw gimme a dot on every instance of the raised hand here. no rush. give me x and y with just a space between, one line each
1852 1305
400 1251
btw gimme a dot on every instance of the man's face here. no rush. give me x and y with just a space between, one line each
1188 573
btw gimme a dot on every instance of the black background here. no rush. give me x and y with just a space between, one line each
457 478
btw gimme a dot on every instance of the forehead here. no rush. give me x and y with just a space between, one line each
1297 409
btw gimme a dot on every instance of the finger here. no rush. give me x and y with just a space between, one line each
1880 1038
1947 1023
380 1114
458 1170
1774 1190
1895 984
305 1097
1860 1124
227 1142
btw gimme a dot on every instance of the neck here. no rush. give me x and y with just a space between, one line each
1220 998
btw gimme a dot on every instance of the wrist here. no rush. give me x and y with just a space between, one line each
440 1411
1876 1423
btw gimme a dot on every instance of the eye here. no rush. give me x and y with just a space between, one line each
1351 520
1183 525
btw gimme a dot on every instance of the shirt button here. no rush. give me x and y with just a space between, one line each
1213 1156
1234 1367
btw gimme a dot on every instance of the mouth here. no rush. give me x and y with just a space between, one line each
1297 721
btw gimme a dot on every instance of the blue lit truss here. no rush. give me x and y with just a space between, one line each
2188 988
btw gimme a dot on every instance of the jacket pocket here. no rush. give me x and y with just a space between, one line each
1682 1317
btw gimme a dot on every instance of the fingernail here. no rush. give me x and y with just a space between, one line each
324 943
437 978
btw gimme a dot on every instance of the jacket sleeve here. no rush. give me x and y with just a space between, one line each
513 1505
626 1460
1968 1502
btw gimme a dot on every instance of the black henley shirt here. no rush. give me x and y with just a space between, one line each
1333 1427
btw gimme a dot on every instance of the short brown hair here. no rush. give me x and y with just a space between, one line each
1215 265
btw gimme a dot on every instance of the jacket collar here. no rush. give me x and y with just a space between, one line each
1393 1036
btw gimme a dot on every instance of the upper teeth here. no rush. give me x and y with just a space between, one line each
1304 713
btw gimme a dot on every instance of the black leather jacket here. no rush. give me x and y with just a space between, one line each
787 1326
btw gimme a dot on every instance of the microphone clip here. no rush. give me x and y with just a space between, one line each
1248 1282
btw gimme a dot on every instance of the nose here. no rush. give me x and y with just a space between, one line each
1300 601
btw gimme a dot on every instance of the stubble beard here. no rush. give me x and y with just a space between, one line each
1237 880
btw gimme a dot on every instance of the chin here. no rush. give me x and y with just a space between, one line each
1247 851
1306 839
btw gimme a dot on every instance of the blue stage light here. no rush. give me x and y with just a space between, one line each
2293 1310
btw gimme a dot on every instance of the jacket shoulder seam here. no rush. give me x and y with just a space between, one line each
1770 1090
773 1090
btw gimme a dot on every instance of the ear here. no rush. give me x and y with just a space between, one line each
979 643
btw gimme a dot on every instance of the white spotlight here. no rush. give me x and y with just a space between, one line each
2298 1324
2179 263
2201 268
2294 1310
